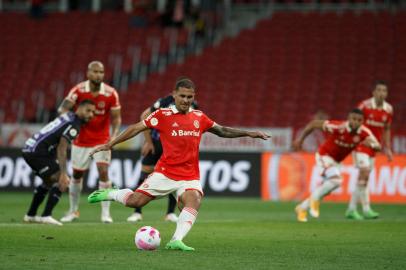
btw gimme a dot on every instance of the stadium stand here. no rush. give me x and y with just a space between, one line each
289 66
42 59
278 73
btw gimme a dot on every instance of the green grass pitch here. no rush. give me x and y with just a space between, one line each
228 234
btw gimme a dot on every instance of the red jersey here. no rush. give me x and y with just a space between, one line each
97 131
180 136
340 140
375 119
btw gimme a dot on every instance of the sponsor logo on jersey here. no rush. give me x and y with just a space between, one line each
183 133
100 112
344 144
374 123
154 121
196 124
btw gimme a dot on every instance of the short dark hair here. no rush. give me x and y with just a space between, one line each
380 82
357 111
86 102
184 82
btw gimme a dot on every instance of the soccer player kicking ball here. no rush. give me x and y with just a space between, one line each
177 171
342 138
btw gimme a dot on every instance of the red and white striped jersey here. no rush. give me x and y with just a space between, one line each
97 131
376 119
341 140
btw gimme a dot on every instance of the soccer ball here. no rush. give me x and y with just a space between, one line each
147 238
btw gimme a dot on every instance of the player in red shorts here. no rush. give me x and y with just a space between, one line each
93 134
378 118
342 138
177 171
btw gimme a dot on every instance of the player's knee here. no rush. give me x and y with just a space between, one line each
363 176
337 181
332 173
191 198
147 169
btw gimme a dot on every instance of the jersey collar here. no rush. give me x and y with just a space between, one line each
348 128
374 106
87 87
175 111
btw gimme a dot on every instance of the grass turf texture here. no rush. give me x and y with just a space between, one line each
228 234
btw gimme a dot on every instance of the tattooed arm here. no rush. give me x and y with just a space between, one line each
227 132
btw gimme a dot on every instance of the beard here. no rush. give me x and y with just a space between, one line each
96 82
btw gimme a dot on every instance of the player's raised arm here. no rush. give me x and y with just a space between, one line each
128 133
312 125
227 132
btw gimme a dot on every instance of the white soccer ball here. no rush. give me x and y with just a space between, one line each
147 238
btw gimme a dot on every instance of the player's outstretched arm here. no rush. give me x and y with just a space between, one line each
148 144
227 132
128 133
372 142
312 125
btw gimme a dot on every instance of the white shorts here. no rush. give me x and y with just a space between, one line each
81 160
363 160
329 166
158 185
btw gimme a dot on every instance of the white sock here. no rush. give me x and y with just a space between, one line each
185 222
120 195
364 198
305 204
75 189
105 205
328 186
352 206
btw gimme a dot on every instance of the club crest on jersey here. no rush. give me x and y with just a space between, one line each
196 124
101 104
356 139
154 121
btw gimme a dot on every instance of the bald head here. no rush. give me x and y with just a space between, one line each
95 63
95 74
